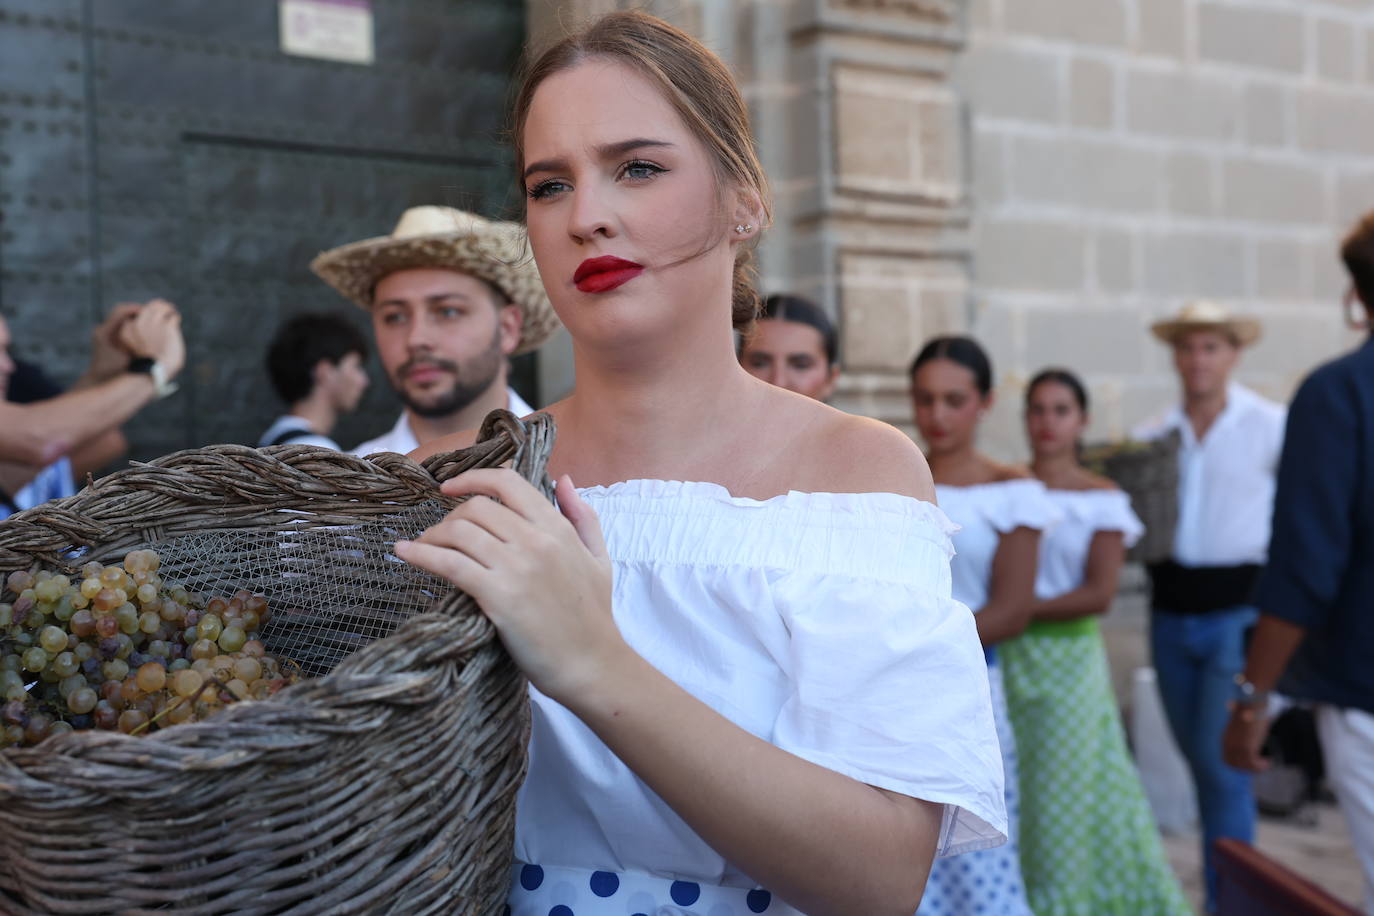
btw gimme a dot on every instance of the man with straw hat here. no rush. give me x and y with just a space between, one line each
1203 604
452 295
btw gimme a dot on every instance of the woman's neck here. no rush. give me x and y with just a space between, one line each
1055 469
957 467
656 412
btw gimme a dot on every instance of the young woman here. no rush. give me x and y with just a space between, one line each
1088 842
724 648
1000 512
793 345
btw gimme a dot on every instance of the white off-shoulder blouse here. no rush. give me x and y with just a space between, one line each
1064 548
983 513
820 622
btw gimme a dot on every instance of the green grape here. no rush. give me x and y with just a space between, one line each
10 662
35 659
82 700
48 590
126 646
149 622
91 569
247 669
116 669
6 615
83 651
70 683
210 627
187 682
178 664
60 728
64 608
66 663
19 580
127 618
232 639
52 639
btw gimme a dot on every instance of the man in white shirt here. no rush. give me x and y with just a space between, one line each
315 362
452 296
1203 602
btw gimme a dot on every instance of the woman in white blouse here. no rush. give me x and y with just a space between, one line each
723 647
1000 512
1088 842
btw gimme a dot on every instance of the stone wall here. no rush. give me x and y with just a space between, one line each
1052 175
1131 154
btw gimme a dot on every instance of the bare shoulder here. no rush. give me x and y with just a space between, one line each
1093 481
1001 473
863 455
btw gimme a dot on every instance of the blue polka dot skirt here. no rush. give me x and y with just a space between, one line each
987 882
556 891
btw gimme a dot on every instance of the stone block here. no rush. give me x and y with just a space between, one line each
999 325
1267 39
1269 191
1283 269
1093 174
1186 265
1092 93
1085 339
1268 114
1162 28
1336 121
1188 106
1036 255
891 304
984 15
1369 55
1294 342
1336 47
1114 261
1091 22
1354 195
989 185
1011 83
1191 183
897 134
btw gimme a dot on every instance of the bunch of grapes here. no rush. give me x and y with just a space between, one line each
121 648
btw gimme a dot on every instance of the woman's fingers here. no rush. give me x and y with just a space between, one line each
452 565
499 520
583 517
501 484
466 537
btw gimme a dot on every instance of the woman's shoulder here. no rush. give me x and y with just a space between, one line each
852 454
1006 473
450 443
1083 481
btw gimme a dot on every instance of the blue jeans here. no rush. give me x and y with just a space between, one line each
1197 657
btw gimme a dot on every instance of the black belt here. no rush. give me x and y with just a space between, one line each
1198 589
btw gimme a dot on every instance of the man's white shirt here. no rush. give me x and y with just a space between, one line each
1226 481
401 438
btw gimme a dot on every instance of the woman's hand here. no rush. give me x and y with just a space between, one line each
540 573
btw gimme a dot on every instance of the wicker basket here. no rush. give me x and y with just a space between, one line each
1148 472
385 786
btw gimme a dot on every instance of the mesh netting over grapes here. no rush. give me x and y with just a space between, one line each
323 589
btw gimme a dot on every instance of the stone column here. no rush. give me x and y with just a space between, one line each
876 217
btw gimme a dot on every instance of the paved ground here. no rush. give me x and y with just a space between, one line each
1320 852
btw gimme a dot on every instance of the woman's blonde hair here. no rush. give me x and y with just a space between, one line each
699 87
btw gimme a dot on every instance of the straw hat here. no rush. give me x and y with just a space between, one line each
1207 316
445 237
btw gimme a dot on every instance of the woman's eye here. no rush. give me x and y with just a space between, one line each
639 170
545 189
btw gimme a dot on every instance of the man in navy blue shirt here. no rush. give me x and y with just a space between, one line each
1315 636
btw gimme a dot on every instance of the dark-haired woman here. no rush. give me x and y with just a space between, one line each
1001 512
793 345
1089 846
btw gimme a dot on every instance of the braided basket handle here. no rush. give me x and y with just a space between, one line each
525 444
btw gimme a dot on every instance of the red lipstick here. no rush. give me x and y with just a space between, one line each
603 274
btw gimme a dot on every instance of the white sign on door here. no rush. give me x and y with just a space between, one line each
329 29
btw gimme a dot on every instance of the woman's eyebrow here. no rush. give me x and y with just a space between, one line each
605 151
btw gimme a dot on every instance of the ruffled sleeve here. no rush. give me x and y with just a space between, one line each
1016 504
887 682
1113 512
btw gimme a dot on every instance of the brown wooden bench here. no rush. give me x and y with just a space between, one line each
1249 883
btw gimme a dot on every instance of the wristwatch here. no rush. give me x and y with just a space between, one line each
142 365
1247 694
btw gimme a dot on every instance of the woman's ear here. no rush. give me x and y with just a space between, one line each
747 216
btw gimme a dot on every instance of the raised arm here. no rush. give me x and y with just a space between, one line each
1101 572
38 433
1011 592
